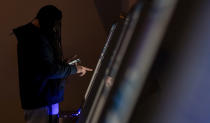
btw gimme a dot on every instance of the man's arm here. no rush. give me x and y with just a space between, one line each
48 66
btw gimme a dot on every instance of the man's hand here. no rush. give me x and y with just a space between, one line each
82 70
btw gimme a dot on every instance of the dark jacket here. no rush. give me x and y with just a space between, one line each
41 77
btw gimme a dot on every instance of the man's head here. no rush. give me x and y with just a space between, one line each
48 17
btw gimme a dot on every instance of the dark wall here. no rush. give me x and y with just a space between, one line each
82 32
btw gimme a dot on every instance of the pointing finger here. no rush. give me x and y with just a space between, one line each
88 69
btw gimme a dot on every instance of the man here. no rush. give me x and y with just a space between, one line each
42 69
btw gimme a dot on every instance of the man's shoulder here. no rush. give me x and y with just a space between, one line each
23 27
26 32
27 28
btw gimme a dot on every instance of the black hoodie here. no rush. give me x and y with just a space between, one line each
41 77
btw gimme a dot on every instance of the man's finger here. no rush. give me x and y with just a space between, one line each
88 69
83 73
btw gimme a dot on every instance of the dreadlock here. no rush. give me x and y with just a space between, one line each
50 24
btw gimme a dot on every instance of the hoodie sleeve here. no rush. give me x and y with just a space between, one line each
51 69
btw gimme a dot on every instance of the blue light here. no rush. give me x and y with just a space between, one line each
77 114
